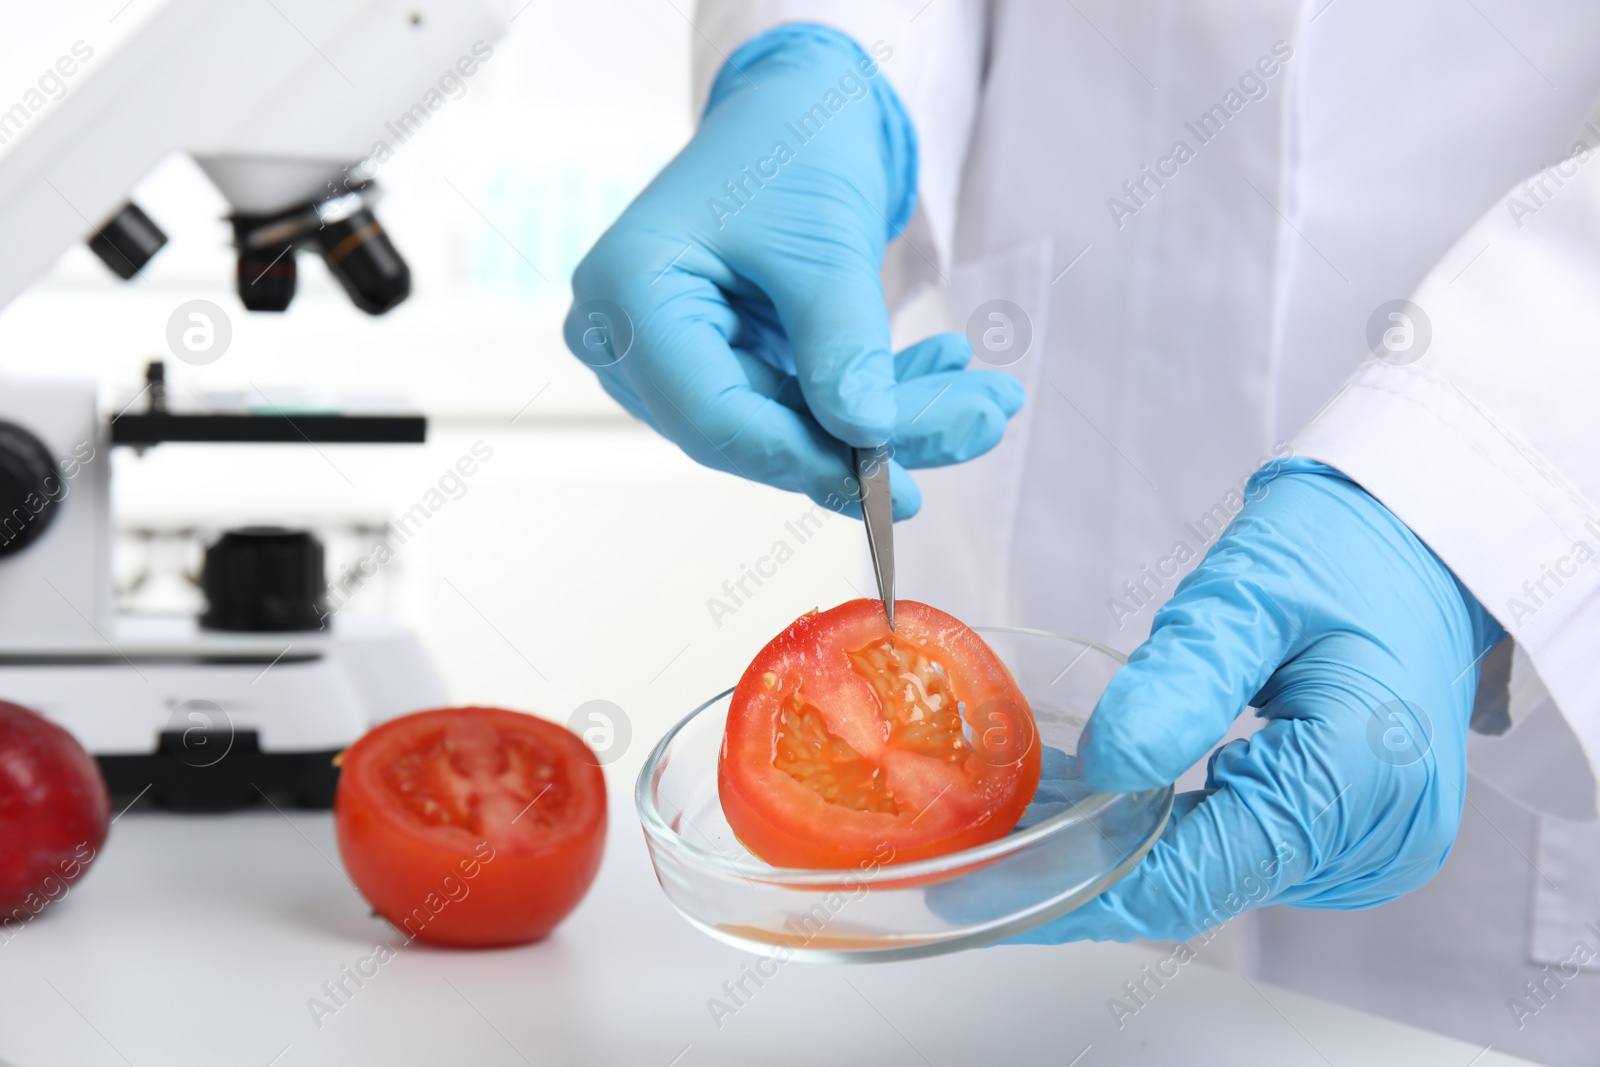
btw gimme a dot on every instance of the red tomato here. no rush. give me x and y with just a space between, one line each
844 739
471 827
54 812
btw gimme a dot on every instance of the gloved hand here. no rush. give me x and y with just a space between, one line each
736 308
1360 649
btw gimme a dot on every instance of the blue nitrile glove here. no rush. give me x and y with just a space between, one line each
1360 649
1060 788
736 308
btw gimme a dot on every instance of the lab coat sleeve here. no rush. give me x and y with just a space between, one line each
936 68
1488 444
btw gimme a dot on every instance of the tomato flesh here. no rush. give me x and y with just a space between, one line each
471 826
467 774
845 738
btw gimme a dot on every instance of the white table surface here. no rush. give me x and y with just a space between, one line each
200 939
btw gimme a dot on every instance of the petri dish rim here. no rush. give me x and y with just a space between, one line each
655 825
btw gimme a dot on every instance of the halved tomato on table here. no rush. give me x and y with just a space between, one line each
471 827
845 740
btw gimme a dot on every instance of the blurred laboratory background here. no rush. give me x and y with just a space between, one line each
587 559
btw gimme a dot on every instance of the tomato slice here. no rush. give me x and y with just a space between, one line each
471 826
844 740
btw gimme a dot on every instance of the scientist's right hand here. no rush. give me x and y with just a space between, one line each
736 306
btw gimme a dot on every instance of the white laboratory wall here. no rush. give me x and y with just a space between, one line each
579 560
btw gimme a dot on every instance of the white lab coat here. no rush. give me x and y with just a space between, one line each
1195 311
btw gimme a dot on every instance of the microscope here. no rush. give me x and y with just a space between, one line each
289 108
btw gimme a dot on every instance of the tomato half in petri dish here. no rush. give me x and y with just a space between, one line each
471 827
845 740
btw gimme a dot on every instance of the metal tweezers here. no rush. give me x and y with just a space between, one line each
877 509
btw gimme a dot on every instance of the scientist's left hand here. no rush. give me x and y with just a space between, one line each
1360 648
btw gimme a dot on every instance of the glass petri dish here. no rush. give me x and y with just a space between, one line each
1068 848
